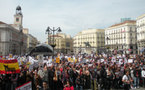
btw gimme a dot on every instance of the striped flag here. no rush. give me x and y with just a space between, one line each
9 66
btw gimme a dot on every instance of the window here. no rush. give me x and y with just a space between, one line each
130 28
17 19
130 34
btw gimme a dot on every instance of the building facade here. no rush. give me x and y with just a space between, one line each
11 40
122 37
140 24
89 40
31 40
63 43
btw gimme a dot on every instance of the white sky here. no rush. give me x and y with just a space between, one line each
72 16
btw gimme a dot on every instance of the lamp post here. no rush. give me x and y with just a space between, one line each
49 37
49 30
107 44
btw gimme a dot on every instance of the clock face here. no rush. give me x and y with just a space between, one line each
17 19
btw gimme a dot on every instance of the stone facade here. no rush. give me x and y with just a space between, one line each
31 40
63 42
89 40
11 40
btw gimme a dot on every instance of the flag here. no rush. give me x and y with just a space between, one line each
9 66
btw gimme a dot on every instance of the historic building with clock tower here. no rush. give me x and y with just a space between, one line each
18 19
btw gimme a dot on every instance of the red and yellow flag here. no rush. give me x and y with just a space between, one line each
9 66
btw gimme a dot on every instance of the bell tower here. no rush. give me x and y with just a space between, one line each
18 18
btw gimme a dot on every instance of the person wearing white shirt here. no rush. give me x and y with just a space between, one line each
126 80
143 76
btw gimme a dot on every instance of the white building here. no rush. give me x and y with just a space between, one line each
12 39
140 23
89 40
122 37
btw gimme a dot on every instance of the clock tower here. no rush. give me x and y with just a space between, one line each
18 18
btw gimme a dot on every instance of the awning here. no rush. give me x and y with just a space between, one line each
42 48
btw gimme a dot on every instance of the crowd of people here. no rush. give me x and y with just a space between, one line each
84 72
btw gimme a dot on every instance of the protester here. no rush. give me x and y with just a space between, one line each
14 78
137 75
68 86
126 81
79 83
45 85
143 76
37 80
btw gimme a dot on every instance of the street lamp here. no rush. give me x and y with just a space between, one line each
107 44
49 30
49 33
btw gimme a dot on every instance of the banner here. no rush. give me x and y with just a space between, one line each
26 86
9 66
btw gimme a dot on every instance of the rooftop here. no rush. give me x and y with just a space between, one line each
140 17
129 21
2 22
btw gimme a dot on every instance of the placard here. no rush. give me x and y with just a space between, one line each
26 86
130 60
10 56
57 60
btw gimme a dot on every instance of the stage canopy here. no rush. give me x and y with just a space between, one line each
42 48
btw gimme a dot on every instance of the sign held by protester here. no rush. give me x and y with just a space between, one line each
26 86
130 60
57 60
10 56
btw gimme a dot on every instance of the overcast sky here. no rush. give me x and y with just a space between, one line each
72 16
